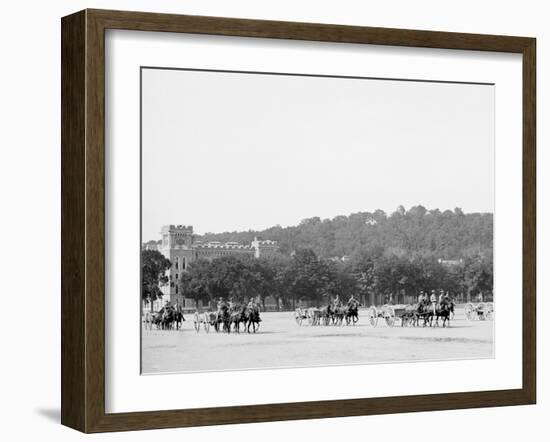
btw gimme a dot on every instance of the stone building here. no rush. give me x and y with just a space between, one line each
179 245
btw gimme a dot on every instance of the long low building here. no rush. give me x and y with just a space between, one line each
178 243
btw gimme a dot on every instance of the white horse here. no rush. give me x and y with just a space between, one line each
203 319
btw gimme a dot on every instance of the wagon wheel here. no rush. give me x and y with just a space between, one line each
469 311
196 322
389 315
481 311
373 316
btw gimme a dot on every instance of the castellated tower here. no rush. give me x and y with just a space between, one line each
177 246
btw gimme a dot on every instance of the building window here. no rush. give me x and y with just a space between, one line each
176 276
176 289
177 264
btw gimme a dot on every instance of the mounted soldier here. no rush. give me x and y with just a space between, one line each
253 305
222 305
352 302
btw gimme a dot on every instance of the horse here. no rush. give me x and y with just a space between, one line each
326 314
222 319
156 320
443 311
314 315
167 318
352 312
236 316
252 317
178 317
422 310
410 316
338 315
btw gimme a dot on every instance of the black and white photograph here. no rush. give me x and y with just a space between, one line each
305 220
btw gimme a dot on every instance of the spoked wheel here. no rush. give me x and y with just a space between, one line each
389 315
469 312
373 316
481 311
310 317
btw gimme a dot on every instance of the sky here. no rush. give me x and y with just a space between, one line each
236 151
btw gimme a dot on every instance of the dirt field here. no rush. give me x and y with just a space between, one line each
280 342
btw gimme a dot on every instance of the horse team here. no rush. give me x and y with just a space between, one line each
334 313
167 318
424 312
227 318
230 317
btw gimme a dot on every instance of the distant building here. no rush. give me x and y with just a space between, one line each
152 245
178 244
450 262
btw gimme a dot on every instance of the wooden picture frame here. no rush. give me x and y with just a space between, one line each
83 220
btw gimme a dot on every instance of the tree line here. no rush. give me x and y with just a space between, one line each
386 258
448 234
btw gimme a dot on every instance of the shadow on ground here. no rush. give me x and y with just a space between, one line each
51 414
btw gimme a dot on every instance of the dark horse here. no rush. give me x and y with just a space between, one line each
236 316
422 310
252 318
444 311
178 317
167 318
351 312
222 319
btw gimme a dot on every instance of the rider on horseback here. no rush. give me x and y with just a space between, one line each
252 304
441 297
222 305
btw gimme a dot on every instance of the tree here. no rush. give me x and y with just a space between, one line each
153 274
307 277
478 275
194 282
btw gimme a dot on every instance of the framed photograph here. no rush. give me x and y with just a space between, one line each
273 220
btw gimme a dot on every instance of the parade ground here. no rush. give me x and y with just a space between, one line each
281 342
